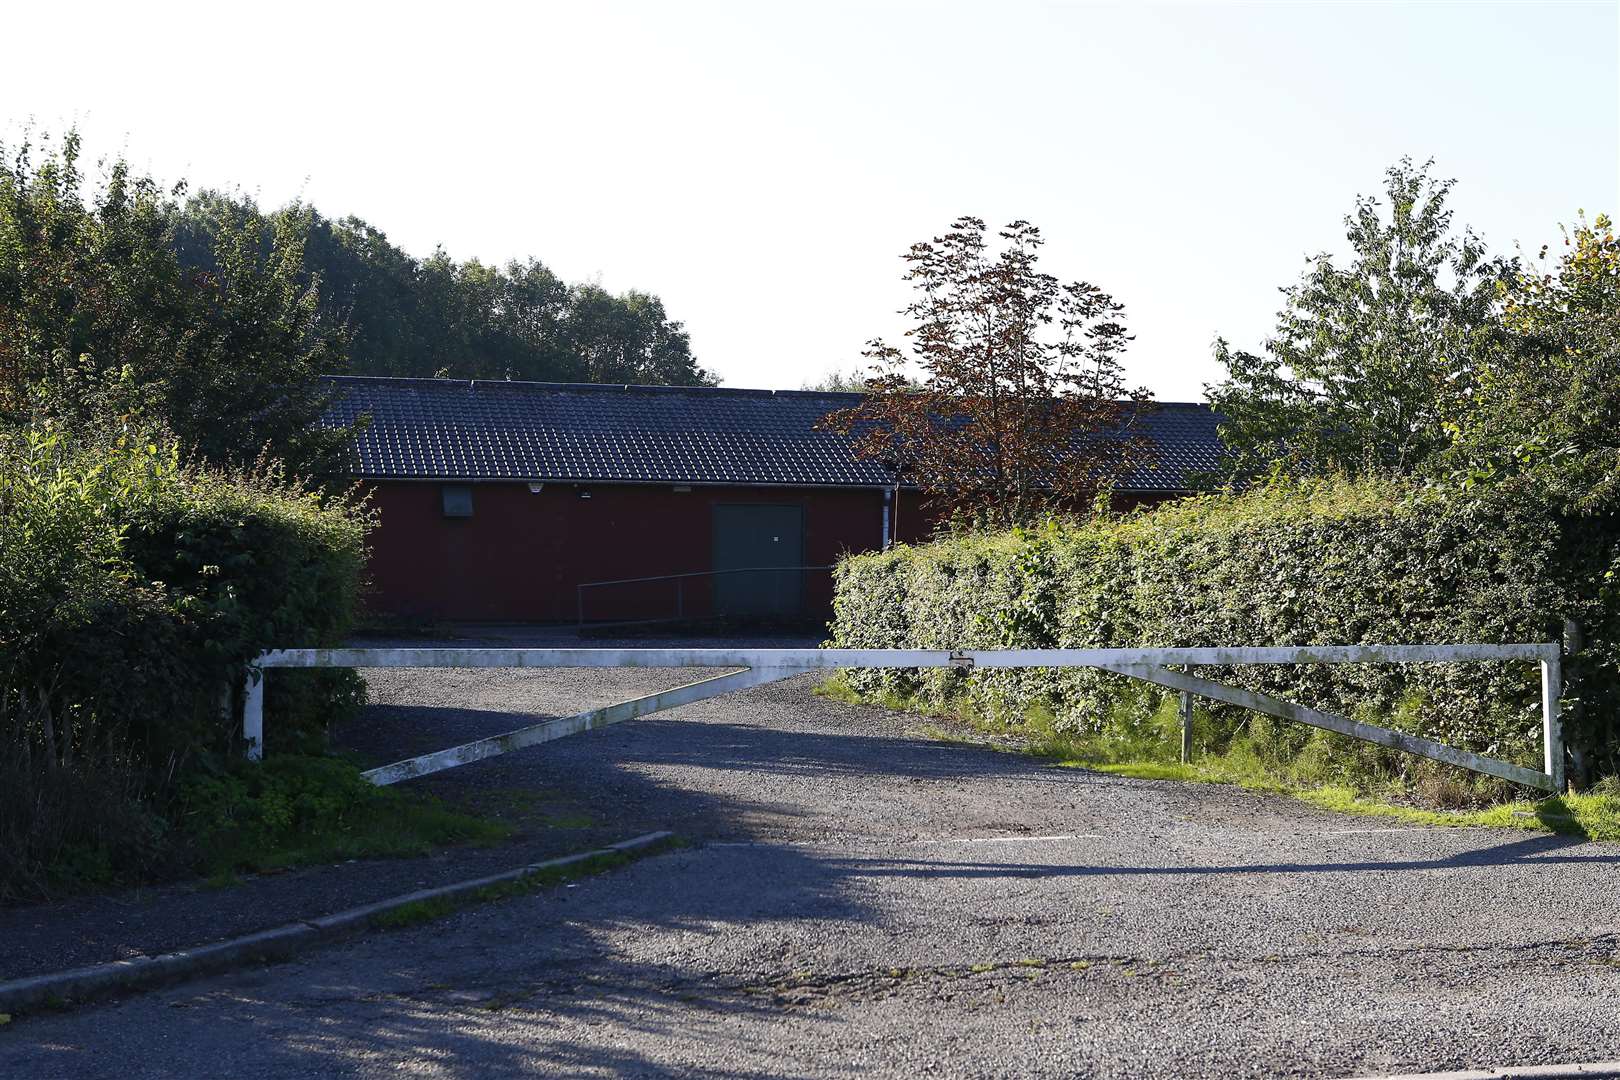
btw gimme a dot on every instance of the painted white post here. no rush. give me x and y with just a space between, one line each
1577 755
1552 728
1186 726
253 712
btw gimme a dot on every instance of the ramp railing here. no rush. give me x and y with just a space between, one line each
686 592
755 667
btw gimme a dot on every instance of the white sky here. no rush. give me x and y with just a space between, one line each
761 166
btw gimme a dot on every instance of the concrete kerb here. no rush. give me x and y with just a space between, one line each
58 988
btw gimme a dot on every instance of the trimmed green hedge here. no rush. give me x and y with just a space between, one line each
1323 562
132 592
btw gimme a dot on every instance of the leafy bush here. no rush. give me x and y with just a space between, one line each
250 562
296 808
132 592
1314 562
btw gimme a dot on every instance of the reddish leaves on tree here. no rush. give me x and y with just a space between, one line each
1022 408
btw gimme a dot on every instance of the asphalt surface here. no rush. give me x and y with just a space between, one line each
552 813
860 899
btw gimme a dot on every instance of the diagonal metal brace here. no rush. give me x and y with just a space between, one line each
562 726
1287 710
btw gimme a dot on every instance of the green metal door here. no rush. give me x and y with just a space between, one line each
751 538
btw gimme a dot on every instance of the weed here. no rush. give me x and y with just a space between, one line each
413 914
296 811
1322 769
223 879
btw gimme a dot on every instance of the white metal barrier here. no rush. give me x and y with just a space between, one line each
761 666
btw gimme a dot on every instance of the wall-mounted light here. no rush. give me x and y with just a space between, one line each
535 489
584 493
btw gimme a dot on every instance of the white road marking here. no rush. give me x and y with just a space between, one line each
1405 829
1006 839
878 840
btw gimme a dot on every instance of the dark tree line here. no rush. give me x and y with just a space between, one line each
125 303
407 316
103 327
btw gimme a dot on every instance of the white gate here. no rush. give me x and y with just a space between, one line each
761 666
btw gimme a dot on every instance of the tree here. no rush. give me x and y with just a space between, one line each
627 339
470 320
1368 362
838 381
853 381
1548 405
101 323
1022 408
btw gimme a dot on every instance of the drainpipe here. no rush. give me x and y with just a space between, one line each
888 498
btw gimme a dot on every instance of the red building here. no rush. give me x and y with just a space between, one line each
548 502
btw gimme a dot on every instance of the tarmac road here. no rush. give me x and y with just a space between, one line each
859 899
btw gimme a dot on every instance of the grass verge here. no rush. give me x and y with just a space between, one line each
1323 770
1593 815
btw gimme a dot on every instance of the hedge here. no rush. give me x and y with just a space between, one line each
1319 562
133 590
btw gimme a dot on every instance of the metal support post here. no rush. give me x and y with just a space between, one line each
1552 727
1186 726
253 713
1578 773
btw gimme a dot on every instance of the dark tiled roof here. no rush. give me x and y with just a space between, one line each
443 429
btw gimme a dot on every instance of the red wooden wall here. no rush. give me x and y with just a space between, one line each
521 554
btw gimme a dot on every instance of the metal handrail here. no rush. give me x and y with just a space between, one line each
694 573
680 589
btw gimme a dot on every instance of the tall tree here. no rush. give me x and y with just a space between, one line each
838 381
1548 403
1368 361
470 320
101 321
1022 407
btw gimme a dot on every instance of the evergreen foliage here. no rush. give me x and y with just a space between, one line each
101 322
1328 561
133 589
421 318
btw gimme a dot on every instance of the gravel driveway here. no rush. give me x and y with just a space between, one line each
859 899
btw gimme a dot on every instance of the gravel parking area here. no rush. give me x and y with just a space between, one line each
858 899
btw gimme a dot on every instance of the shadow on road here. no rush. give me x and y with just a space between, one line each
1535 851
530 984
